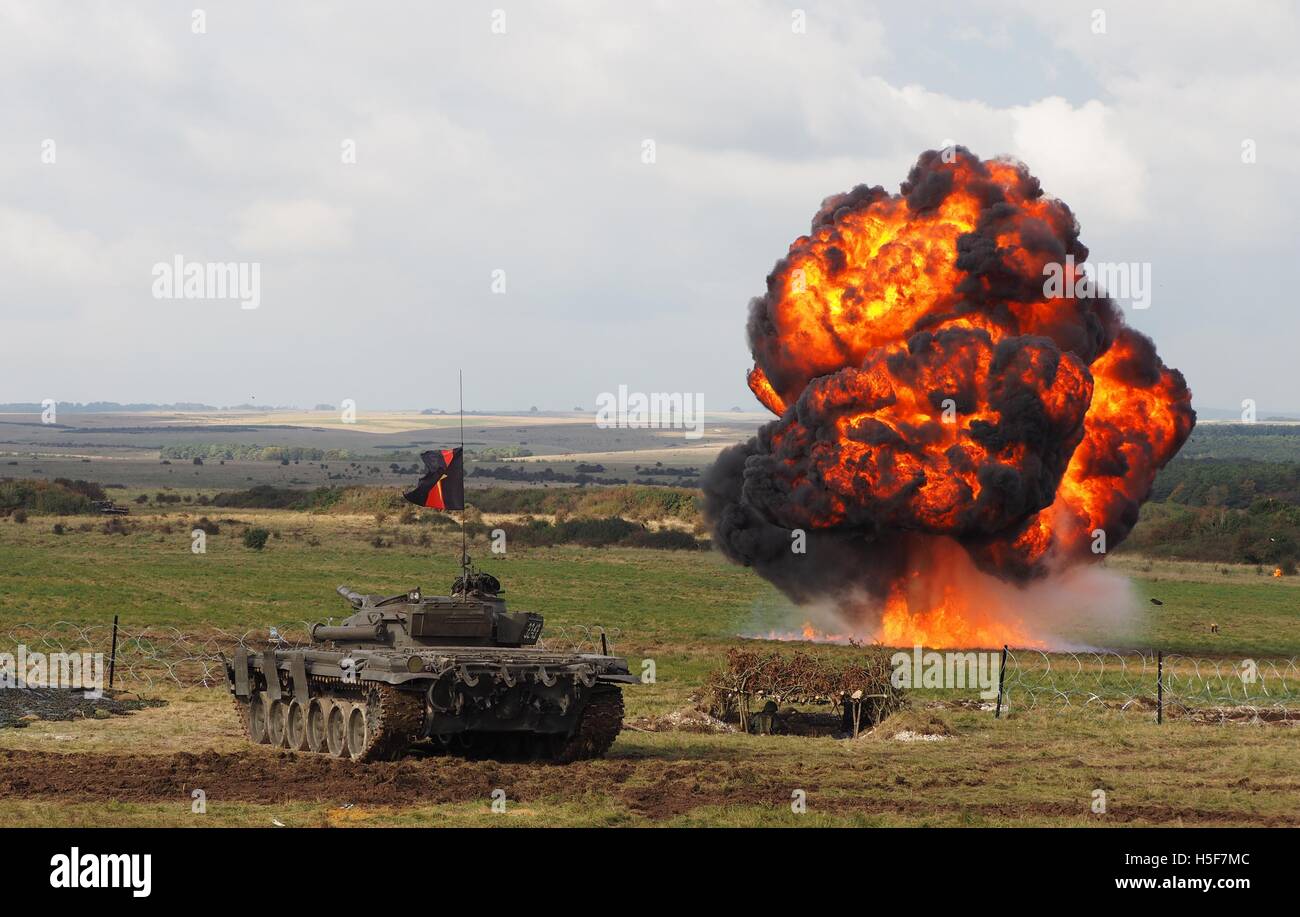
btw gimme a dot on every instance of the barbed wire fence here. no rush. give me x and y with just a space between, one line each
1166 685
165 655
1161 685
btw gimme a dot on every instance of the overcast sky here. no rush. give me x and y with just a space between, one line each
522 152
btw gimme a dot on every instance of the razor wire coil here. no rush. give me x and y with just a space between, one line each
1202 688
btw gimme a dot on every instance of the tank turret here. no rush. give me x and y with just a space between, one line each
477 617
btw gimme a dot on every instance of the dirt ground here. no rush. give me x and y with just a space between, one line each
647 789
144 767
271 777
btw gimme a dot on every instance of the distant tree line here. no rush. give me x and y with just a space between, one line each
1262 441
498 453
1235 483
252 452
540 476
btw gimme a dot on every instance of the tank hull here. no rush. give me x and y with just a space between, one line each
373 704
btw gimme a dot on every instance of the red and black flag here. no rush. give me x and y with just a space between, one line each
443 487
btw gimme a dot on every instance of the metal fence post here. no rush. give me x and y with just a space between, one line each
1160 687
1002 676
112 656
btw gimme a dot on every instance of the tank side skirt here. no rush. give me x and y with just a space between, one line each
370 667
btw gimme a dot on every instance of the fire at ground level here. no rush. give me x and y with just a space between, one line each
946 602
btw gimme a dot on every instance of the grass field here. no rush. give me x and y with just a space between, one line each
664 599
682 609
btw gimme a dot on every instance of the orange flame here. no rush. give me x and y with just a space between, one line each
945 604
810 634
949 620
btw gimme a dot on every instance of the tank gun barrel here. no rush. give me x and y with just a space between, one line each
356 598
361 633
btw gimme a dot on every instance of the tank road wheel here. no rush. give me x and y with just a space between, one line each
336 729
598 726
295 727
258 718
358 731
317 712
379 724
275 722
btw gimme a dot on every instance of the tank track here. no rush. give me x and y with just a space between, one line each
241 713
398 717
602 721
394 717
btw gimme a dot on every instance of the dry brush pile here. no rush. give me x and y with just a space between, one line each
857 685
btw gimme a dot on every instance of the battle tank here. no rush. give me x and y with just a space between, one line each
457 673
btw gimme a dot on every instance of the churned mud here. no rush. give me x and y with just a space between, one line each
650 789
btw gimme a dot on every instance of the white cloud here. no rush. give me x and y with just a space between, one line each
303 226
1080 156
53 272
477 151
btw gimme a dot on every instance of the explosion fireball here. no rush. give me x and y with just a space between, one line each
949 435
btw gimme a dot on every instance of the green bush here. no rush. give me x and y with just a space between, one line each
52 498
1263 534
88 489
256 538
263 496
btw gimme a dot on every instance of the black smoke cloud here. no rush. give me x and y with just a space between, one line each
756 493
